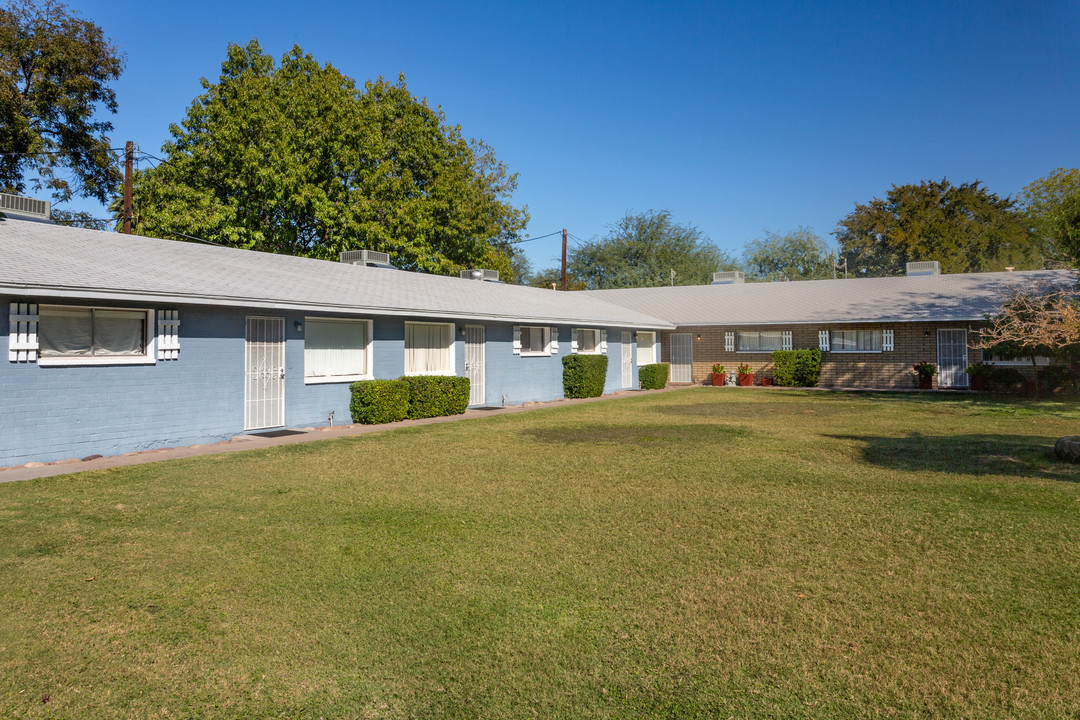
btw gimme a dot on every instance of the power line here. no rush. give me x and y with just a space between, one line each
539 237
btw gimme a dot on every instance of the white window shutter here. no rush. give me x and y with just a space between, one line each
887 340
168 340
573 340
517 339
729 342
22 332
554 340
823 340
656 349
603 341
786 340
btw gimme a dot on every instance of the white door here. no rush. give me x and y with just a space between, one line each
682 358
952 358
627 360
264 373
474 363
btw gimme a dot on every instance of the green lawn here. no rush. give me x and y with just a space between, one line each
701 553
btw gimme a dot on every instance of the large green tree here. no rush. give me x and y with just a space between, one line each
965 227
642 250
295 158
795 255
54 73
1052 205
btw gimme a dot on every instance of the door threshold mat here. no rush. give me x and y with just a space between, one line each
278 433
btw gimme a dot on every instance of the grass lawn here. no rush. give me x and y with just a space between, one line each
701 553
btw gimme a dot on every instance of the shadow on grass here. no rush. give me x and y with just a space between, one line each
1010 455
639 435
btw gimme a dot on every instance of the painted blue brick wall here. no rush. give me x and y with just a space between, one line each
51 413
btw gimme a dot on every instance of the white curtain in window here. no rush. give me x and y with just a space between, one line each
64 331
119 332
587 340
645 341
427 349
335 348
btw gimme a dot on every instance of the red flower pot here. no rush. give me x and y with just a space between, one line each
765 382
926 383
718 379
746 380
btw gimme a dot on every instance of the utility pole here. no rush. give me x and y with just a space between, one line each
129 154
564 259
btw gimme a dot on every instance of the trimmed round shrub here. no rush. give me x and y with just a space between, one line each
379 401
584 375
797 368
653 377
436 395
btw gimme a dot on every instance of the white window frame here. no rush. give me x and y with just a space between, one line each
545 351
646 347
1040 361
449 369
322 379
598 346
833 343
148 356
738 339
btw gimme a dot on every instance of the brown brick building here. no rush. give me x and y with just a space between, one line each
871 331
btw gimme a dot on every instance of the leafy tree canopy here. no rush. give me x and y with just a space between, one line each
964 227
1052 205
642 249
552 278
54 70
294 158
796 255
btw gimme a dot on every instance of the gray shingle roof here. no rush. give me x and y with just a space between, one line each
40 259
937 297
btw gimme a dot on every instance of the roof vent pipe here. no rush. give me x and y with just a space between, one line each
728 277
925 267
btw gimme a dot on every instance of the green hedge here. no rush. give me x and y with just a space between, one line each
436 395
797 368
653 377
584 375
379 401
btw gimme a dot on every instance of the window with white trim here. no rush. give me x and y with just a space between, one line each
991 359
760 341
535 340
70 335
588 341
867 340
646 348
336 350
429 348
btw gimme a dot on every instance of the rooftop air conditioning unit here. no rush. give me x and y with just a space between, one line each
368 258
728 277
481 274
924 267
24 208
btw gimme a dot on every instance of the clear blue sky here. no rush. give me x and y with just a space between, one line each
736 117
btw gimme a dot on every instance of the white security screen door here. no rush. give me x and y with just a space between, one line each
627 360
474 363
682 358
264 373
952 358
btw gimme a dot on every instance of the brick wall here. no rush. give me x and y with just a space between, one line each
913 342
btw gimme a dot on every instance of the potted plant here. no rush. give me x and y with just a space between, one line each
925 372
718 375
746 375
766 381
980 375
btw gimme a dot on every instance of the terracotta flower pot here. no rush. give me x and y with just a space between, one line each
718 379
978 383
746 380
765 382
926 383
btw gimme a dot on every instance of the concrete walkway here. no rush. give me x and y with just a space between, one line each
254 442
308 434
